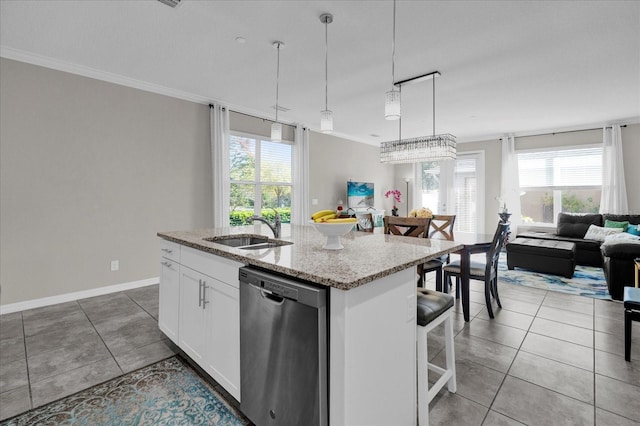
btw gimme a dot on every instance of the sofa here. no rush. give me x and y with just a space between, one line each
615 254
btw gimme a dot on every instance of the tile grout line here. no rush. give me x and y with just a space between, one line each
101 339
26 361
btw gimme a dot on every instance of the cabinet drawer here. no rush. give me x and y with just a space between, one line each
170 250
225 270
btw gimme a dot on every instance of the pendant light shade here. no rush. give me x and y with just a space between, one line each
276 128
392 97
392 110
276 132
326 121
326 116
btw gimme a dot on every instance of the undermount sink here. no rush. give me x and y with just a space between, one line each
248 243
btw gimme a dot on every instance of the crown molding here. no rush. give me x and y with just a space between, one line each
84 71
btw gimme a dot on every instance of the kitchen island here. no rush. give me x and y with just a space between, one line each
372 309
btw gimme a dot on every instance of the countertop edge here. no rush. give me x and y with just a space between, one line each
303 275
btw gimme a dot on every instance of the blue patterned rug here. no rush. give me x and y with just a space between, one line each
166 393
587 280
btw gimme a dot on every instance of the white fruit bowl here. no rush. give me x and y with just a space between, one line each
333 232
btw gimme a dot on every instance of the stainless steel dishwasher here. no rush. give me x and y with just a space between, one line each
283 350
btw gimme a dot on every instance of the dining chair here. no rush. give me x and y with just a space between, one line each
365 222
408 227
441 226
486 271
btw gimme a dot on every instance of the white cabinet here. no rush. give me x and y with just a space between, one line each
207 311
192 314
223 338
169 304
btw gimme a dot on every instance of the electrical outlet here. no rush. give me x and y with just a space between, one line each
314 201
115 265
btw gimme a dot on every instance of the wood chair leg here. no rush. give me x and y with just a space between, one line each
495 292
487 297
627 335
439 280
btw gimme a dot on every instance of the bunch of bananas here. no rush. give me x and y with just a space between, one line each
329 216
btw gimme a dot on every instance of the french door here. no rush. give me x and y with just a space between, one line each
454 187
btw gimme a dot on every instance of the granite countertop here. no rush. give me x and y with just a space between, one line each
364 258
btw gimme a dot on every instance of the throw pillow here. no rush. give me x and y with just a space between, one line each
633 229
599 233
614 224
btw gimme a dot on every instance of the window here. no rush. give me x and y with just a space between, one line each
455 187
563 180
260 179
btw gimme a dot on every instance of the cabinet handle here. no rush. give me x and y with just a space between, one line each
167 264
199 293
204 294
166 250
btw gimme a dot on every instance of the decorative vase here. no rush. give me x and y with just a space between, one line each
394 211
504 216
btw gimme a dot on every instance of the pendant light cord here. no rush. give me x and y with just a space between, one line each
393 47
277 80
434 105
326 64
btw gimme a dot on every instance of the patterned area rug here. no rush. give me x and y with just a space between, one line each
587 280
166 393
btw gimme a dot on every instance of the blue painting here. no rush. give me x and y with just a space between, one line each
360 194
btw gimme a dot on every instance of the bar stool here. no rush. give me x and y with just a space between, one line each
631 313
434 308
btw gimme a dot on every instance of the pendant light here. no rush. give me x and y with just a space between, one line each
423 148
326 116
276 128
392 97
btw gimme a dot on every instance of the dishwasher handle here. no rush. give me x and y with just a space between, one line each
267 294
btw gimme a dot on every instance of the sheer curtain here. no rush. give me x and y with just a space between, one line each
614 190
510 185
300 196
219 116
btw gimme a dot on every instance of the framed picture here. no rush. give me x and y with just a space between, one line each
360 194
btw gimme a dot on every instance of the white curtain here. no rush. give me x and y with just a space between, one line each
614 190
220 164
299 200
510 184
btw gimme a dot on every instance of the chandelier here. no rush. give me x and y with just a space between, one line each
423 148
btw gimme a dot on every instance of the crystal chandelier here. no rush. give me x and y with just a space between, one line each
423 148
326 116
276 128
392 97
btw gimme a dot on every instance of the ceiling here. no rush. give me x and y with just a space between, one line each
521 67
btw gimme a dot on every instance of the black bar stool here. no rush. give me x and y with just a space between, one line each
631 313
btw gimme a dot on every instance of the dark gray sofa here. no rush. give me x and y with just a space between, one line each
572 228
616 258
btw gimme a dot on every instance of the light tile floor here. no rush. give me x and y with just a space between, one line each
547 358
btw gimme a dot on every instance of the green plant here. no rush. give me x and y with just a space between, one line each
241 217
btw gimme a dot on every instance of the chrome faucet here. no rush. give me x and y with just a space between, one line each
275 227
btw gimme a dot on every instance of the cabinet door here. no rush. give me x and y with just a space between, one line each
223 335
169 306
192 314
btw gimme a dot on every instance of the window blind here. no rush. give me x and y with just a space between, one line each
561 169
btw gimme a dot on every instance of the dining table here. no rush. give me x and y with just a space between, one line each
472 243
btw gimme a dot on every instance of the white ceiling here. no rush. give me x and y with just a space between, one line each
520 67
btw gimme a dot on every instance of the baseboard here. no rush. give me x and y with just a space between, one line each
69 297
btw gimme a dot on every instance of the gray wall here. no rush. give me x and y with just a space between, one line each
89 172
334 161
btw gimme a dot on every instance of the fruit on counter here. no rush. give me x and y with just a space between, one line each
326 218
343 220
321 213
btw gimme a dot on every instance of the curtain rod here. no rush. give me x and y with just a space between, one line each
569 131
